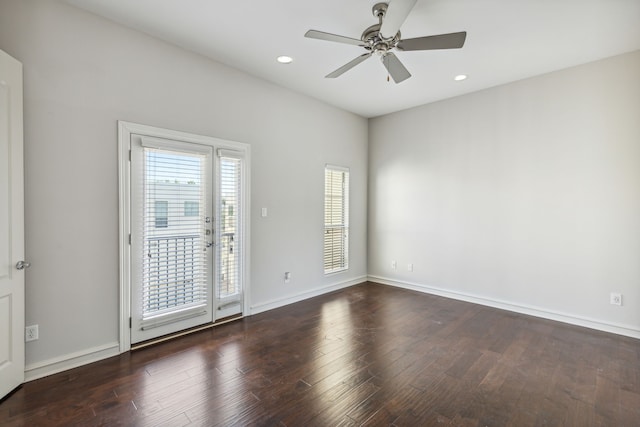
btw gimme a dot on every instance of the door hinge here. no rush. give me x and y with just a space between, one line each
129 322
129 238
129 155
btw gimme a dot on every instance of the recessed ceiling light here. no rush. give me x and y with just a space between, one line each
460 77
284 59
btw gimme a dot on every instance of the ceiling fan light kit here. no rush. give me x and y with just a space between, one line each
383 37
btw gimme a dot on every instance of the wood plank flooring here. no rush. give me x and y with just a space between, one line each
368 355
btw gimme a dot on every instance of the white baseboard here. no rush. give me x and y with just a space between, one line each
69 361
625 330
280 302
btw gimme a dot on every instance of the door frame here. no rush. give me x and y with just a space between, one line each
125 130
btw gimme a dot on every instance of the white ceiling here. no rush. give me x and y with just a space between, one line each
507 40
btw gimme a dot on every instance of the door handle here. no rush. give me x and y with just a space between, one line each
21 265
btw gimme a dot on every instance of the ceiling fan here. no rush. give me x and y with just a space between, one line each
383 37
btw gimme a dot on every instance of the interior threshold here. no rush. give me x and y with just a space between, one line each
168 337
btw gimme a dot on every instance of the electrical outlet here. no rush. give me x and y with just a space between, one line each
394 265
409 267
615 298
287 277
31 333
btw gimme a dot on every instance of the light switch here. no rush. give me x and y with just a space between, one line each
263 213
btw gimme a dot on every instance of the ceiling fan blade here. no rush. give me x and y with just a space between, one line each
395 16
349 65
441 41
313 34
395 68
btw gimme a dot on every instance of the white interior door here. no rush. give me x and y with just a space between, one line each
11 226
172 236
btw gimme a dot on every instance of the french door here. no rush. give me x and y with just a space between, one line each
187 235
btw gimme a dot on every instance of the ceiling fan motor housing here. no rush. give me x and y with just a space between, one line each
374 41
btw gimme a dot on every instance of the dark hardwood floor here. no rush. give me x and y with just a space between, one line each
368 355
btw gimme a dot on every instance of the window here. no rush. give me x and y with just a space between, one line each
336 219
162 213
191 208
229 181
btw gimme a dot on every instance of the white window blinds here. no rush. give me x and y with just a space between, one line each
229 209
174 276
336 219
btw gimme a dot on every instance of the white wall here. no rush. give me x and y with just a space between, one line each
82 73
526 193
525 196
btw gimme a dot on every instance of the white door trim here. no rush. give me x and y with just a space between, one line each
125 130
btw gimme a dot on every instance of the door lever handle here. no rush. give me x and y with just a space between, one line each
21 265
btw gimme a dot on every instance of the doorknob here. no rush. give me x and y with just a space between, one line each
21 265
